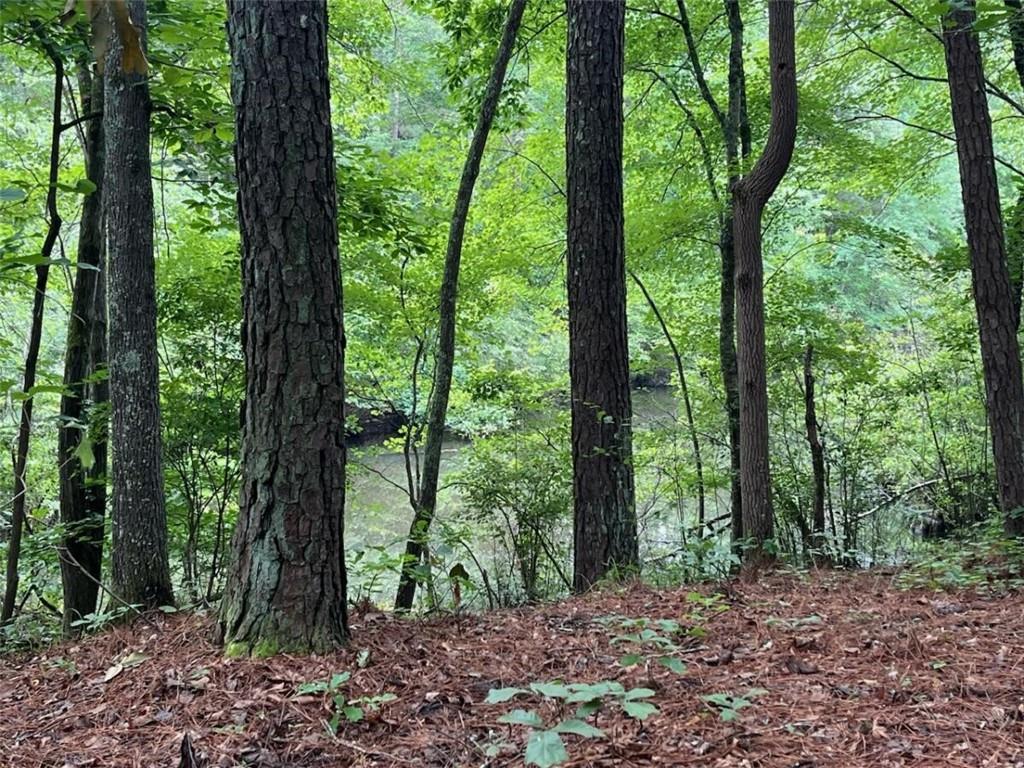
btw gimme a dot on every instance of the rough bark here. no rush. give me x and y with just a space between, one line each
34 339
604 531
990 278
139 567
736 134
817 538
687 405
1015 219
750 195
82 493
287 588
437 408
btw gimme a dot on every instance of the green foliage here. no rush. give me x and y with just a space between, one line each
729 705
979 558
334 692
100 620
864 259
516 489
545 746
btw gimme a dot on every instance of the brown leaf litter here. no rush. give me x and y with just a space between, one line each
855 673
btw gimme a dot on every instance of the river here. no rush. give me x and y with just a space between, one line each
378 513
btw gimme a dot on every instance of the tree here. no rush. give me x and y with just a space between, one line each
604 530
990 276
437 409
35 336
287 588
821 557
1015 218
736 133
82 451
734 127
139 565
750 195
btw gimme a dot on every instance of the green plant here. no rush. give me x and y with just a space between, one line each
353 710
705 608
984 559
545 746
729 705
646 645
98 620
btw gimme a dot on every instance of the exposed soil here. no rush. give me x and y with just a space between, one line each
855 673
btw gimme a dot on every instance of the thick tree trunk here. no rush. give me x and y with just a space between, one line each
139 566
993 292
750 195
82 494
34 339
287 589
817 538
437 409
605 535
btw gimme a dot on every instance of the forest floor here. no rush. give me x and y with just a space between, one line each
823 670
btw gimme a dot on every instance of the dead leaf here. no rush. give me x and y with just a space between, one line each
113 672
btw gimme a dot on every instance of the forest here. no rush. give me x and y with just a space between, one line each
511 382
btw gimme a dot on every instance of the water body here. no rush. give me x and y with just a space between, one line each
378 512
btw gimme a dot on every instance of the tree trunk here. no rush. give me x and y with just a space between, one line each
437 409
735 130
139 568
750 195
1015 220
687 405
993 293
737 149
34 339
604 531
817 538
82 494
287 589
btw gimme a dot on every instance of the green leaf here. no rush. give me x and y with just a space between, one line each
587 691
498 695
84 453
630 660
352 714
638 710
224 132
551 690
719 699
522 717
363 658
589 708
579 728
672 663
339 679
545 749
84 187
638 693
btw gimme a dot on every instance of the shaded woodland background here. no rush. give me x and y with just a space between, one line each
879 441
